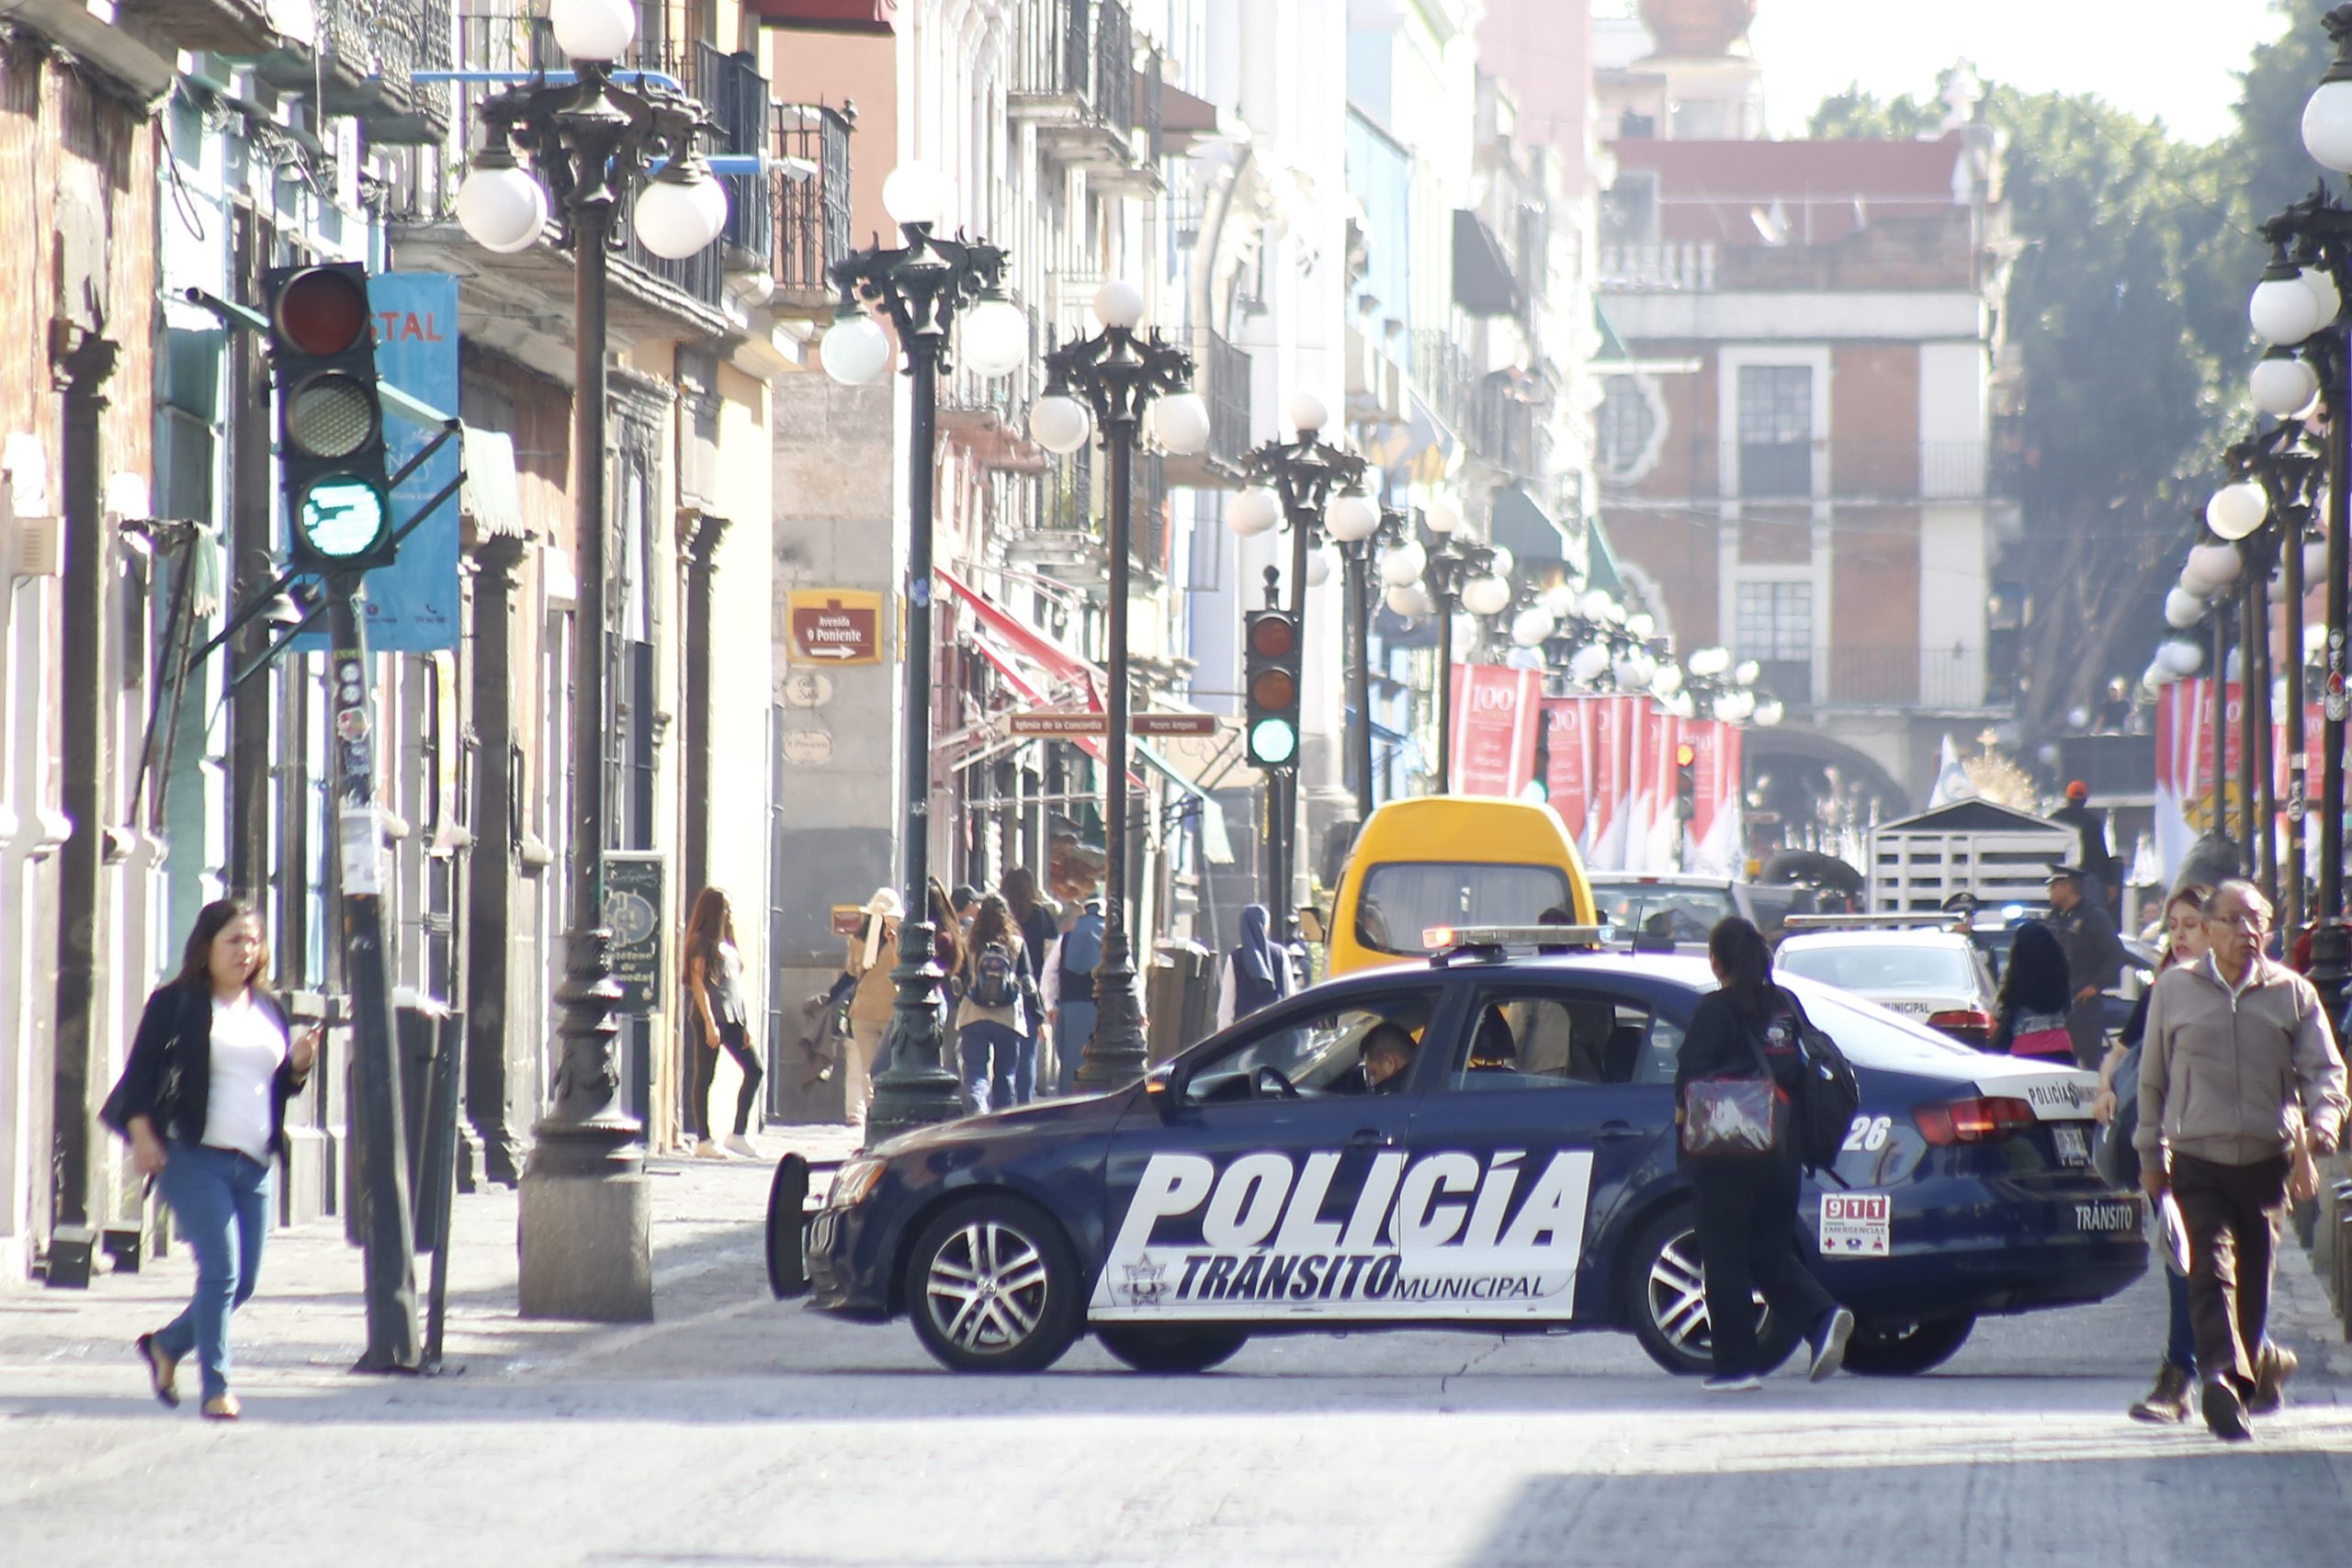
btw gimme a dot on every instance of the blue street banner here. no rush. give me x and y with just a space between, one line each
413 603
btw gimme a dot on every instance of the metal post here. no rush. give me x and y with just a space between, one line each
1304 521
1116 1055
390 1239
2219 667
2264 839
2249 705
1444 693
2328 941
1358 575
2291 874
918 1089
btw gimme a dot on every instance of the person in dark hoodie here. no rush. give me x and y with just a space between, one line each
1256 971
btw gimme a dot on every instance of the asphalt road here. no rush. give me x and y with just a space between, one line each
738 1431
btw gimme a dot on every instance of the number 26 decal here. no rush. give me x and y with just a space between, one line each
1868 1134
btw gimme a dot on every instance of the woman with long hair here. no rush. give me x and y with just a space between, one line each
872 953
997 1003
717 1017
2031 1016
2119 1083
202 1102
1039 921
1745 1205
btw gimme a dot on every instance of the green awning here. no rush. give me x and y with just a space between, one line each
1215 842
1600 567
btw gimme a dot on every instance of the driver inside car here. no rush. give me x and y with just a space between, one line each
1387 1051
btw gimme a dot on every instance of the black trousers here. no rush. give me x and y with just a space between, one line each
738 1046
2232 1213
1746 1212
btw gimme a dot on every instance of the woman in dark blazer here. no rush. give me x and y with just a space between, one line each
202 1101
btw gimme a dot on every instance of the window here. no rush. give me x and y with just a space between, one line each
1311 1057
1773 623
1403 898
1562 1039
1627 425
1873 969
1679 914
1775 430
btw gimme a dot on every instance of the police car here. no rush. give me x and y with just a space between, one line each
1517 1173
1933 973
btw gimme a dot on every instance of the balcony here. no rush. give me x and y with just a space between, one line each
1942 680
1506 431
206 27
360 63
1445 378
1866 472
1685 268
1221 375
812 229
1074 79
1067 544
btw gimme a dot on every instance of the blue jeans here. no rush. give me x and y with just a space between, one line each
2180 1334
989 1054
223 1203
1023 1085
1072 1032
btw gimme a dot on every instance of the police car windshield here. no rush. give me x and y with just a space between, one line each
1403 898
1882 968
1685 914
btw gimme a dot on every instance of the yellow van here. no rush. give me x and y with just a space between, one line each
1450 859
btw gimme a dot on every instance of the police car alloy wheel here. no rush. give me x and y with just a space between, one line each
992 1286
1880 1348
1191 1348
1666 1303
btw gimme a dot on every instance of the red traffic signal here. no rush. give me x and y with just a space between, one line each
321 310
1273 637
1685 754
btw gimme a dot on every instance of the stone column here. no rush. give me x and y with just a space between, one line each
491 1151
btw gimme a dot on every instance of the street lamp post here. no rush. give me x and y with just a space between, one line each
585 1230
1389 543
921 287
1459 574
1310 483
1105 384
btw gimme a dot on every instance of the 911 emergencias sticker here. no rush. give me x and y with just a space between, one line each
1856 1224
1447 1235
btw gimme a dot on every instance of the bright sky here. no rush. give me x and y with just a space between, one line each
2174 59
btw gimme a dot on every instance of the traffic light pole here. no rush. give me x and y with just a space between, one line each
389 1243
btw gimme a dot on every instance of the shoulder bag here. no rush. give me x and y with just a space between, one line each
1732 1116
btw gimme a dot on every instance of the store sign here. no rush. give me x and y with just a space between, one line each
835 626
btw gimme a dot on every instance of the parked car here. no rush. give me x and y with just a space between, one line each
1523 1177
1937 976
1678 911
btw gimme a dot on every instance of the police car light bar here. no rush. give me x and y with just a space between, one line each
1936 918
1453 939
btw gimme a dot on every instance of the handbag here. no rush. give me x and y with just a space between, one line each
1730 1116
2042 1034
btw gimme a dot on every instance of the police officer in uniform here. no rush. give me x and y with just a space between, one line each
2095 956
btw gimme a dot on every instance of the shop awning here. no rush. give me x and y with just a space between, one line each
875 17
1215 843
1024 639
1600 564
1027 690
1484 284
1527 529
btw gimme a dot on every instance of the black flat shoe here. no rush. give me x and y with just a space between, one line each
162 1373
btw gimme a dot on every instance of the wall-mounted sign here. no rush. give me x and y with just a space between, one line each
633 914
835 626
1056 721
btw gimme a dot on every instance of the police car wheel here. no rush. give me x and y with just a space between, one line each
1187 1349
1894 1349
993 1287
1666 1302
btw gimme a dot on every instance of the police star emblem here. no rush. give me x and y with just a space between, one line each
1146 1283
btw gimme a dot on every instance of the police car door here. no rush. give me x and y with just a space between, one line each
1257 1183
1559 1100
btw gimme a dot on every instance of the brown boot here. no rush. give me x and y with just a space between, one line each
2167 1403
2271 1371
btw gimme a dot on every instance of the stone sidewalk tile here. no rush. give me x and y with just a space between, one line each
308 1324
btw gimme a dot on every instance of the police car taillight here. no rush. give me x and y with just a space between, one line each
1982 1120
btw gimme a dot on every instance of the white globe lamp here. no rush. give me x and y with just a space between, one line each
1404 564
1709 662
2283 310
1182 422
1119 303
592 29
1308 412
501 208
1769 713
1351 517
855 351
1486 596
2183 609
1532 626
992 337
1589 663
2314 564
1641 624
678 216
2181 658
1253 511
1060 423
914 194
2282 384
2237 510
1318 568
2325 293
2217 565
1667 681
2327 123
1442 516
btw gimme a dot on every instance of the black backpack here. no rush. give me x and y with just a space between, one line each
1827 1095
996 979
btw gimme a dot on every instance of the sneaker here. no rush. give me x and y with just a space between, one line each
162 1373
1829 1345
2168 1401
741 1146
708 1150
2271 1371
1739 1382
2225 1413
222 1407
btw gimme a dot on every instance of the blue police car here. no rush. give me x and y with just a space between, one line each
1517 1172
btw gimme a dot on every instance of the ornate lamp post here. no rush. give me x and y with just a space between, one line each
1107 384
1388 540
921 286
585 1236
1306 483
1458 574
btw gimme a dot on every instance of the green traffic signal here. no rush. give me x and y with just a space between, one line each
342 518
1273 742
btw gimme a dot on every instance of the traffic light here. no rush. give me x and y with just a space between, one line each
1686 781
330 417
1269 687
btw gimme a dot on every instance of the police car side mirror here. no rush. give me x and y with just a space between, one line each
1159 1086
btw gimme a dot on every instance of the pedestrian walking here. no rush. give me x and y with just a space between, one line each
1034 916
997 999
1743 1036
718 1017
2236 1043
202 1102
2031 1016
2117 1107
1070 991
2095 956
873 955
1256 972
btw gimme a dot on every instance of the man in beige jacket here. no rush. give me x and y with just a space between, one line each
2235 1046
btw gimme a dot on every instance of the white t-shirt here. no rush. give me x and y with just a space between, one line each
247 1046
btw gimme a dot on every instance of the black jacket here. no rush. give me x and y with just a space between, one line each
176 1033
1718 1045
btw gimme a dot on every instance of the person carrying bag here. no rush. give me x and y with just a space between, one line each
1734 1074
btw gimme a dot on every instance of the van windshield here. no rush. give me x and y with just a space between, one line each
1403 898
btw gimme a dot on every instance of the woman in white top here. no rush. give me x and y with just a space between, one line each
202 1101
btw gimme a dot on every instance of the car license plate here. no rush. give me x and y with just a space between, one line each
2074 1144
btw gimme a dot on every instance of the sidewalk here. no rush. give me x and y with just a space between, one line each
308 1325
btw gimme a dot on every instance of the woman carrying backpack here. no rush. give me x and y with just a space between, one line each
2035 998
1733 1079
999 998
1034 916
